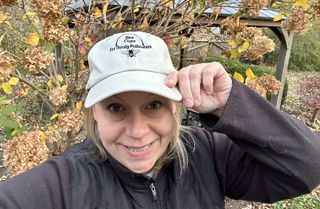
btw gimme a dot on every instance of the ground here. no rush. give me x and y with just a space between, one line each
303 97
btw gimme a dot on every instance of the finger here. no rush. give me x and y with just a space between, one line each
172 79
195 82
184 87
207 78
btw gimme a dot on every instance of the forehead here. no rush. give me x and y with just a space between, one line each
135 96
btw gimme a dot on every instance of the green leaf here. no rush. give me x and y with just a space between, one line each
4 100
238 77
16 132
9 123
278 17
200 6
64 21
8 110
42 42
244 47
238 14
2 36
20 106
234 53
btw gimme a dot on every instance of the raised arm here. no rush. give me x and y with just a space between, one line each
261 153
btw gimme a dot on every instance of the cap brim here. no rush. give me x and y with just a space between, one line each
131 81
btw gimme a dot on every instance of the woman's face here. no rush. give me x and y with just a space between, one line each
135 128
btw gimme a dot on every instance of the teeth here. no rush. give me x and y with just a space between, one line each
139 149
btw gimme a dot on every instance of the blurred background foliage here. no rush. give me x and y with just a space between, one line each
305 52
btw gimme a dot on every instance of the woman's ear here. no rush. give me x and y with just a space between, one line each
94 112
174 107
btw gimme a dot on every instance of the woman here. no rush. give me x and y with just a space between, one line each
137 155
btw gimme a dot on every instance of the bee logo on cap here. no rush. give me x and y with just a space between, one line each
130 45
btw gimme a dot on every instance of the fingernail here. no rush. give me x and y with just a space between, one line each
188 102
170 81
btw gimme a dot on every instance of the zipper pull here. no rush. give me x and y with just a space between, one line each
154 191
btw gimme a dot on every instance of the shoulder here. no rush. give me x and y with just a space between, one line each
85 164
202 138
84 152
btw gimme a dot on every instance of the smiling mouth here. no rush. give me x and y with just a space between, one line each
139 149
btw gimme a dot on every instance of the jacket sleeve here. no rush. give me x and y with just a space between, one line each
46 186
271 156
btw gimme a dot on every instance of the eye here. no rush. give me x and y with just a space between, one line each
115 107
155 105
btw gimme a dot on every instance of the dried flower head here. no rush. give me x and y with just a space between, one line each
48 9
260 45
7 65
168 40
70 121
25 152
36 59
252 7
232 26
55 32
53 135
58 96
83 77
316 9
254 85
8 2
249 33
298 21
184 41
270 83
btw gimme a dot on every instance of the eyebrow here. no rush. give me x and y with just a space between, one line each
115 96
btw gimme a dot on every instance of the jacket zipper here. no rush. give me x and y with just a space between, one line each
153 191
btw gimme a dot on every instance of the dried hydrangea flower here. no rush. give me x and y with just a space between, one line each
252 7
25 152
55 32
249 33
36 59
254 85
58 96
270 83
260 45
70 121
232 26
48 9
7 65
8 2
298 21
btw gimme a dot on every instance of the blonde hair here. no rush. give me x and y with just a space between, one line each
176 148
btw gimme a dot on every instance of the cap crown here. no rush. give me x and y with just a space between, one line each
129 51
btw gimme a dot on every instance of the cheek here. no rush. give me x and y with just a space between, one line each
108 132
165 126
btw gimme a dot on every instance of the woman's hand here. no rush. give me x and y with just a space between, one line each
204 87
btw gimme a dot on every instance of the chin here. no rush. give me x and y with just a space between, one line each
140 169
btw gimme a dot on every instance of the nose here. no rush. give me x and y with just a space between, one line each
137 126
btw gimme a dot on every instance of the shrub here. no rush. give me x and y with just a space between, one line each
307 59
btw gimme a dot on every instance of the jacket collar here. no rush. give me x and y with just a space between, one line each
128 177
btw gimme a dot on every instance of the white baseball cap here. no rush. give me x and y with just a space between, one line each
130 61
